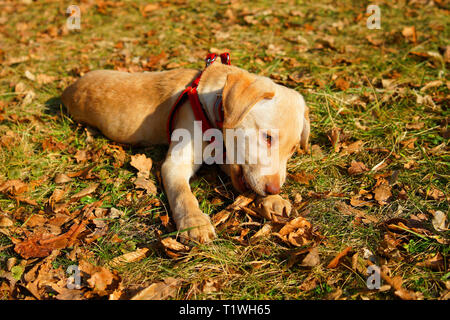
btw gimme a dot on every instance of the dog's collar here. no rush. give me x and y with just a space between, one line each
191 93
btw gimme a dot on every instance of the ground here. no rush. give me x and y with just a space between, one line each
373 188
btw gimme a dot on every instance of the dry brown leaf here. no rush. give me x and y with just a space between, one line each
382 193
296 232
149 8
159 290
62 178
440 221
42 245
293 225
356 201
357 168
45 79
309 284
342 84
101 280
86 191
81 156
415 126
354 147
239 203
302 177
210 286
334 138
43 275
174 245
348 210
410 33
146 184
409 143
335 262
436 262
396 284
128 257
432 84
265 231
13 187
142 164
312 259
434 193
5 222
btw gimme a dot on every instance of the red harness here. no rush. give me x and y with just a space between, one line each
192 94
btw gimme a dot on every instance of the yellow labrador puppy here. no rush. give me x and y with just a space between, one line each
140 108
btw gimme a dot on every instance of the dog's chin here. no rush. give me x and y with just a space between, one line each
240 183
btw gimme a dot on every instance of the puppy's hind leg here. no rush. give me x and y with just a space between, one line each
176 171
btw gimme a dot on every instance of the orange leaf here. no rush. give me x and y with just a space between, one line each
335 262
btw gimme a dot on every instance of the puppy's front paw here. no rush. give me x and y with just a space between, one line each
196 227
273 207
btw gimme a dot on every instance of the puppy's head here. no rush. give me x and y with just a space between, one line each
264 123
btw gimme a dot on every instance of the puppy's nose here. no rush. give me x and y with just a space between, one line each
273 187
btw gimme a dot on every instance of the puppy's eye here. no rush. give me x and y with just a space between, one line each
268 139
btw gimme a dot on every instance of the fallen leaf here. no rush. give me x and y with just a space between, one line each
409 143
29 75
42 245
173 245
309 284
265 231
128 257
149 8
142 164
45 79
62 178
434 193
335 262
86 191
312 259
348 210
415 126
302 177
13 187
352 148
334 137
410 34
209 286
357 168
440 221
431 84
297 232
5 222
436 262
159 290
382 193
101 280
396 284
146 184
342 84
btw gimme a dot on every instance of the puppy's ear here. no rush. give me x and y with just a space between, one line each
304 138
240 93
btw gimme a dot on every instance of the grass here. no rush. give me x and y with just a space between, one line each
306 46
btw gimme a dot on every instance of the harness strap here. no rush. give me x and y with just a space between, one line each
197 108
